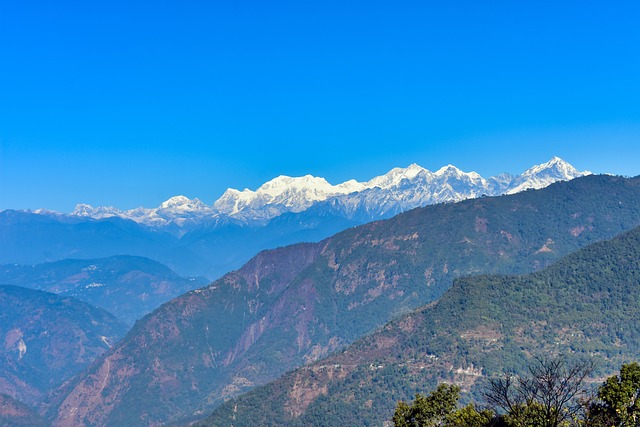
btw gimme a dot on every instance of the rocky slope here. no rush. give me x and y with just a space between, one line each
586 305
126 286
16 414
294 305
46 338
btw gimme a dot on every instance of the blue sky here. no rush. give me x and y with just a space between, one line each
114 103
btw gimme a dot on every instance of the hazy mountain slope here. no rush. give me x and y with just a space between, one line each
229 247
30 238
196 239
588 304
47 338
210 250
293 305
126 286
16 414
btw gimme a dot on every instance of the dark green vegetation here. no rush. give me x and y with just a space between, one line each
294 305
618 402
552 394
126 286
586 305
47 338
436 409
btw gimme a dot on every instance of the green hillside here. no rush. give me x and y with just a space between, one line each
48 338
292 306
586 305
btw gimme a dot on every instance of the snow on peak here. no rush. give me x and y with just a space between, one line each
99 212
351 186
395 176
82 209
279 195
542 175
556 164
175 201
177 211
397 190
284 183
448 170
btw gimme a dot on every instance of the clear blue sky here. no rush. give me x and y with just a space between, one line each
116 103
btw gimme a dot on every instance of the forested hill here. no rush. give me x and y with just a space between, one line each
294 305
586 305
126 286
48 338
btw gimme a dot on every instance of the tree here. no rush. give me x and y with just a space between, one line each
619 400
439 409
470 416
428 411
549 396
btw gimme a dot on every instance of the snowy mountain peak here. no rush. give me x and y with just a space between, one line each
397 190
83 209
279 195
395 176
284 183
175 201
452 175
350 186
448 170
556 166
542 175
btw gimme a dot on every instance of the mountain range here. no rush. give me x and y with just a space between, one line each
283 309
126 286
292 306
195 239
48 338
584 306
398 190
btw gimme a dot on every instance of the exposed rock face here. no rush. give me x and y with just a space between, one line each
45 339
293 305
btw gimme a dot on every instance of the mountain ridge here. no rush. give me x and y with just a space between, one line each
584 305
47 338
196 239
294 305
126 286
414 185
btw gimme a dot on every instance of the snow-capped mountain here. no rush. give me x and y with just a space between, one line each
280 195
195 238
178 211
396 191
420 187
540 176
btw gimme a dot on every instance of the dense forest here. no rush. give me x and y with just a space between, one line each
586 305
552 393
